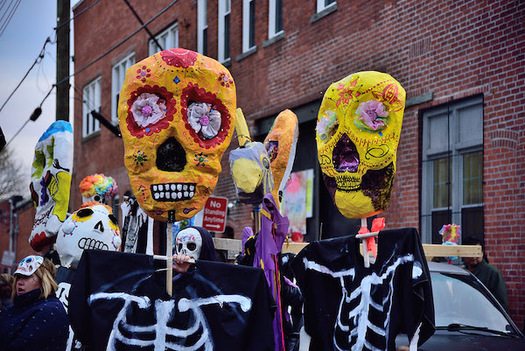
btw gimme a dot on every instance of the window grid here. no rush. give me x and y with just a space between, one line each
202 27
323 4
248 25
275 20
118 76
452 179
168 39
90 101
224 30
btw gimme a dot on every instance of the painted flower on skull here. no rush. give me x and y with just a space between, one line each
148 109
204 119
371 115
326 124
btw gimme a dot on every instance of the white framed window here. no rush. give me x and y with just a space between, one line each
91 96
167 39
248 25
275 18
224 30
452 172
202 27
118 74
323 4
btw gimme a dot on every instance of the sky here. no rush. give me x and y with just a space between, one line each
20 44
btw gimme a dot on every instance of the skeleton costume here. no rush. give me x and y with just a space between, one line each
216 306
350 307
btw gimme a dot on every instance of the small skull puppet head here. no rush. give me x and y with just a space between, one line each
98 188
280 144
251 172
358 130
177 116
195 242
51 183
93 226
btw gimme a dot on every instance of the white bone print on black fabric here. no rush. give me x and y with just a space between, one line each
354 322
352 307
213 307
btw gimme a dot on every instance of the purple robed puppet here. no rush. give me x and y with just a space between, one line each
274 228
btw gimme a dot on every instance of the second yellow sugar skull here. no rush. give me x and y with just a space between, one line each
358 130
177 116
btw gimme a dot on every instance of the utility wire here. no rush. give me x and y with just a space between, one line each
78 14
141 22
119 43
37 60
9 17
38 110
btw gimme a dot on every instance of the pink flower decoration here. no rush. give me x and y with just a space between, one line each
369 112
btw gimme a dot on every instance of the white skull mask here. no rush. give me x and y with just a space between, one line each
177 116
189 243
91 227
358 130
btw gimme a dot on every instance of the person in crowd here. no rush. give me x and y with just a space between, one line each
489 275
192 243
37 319
6 289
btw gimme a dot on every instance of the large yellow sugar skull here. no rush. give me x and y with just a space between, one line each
358 130
177 116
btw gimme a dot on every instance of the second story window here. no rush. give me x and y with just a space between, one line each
90 101
117 80
224 30
275 20
202 27
323 4
248 25
167 39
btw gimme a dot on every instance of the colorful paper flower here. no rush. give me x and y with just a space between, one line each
326 124
204 118
143 73
371 113
148 109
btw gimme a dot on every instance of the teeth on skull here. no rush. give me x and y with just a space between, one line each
191 194
192 187
161 187
156 195
168 195
173 187
161 195
179 187
185 187
185 194
155 188
173 195
179 195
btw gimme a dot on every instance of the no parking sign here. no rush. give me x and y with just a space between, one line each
214 214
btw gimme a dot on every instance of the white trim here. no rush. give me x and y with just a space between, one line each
272 13
224 10
321 6
202 24
91 97
118 74
246 25
168 39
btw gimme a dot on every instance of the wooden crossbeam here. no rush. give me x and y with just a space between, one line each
431 250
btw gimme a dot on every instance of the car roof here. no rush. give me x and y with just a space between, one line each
446 268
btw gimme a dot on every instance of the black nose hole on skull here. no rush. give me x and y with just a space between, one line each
171 156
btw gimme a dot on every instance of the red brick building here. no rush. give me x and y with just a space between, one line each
461 157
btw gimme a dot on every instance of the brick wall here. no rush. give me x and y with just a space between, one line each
453 49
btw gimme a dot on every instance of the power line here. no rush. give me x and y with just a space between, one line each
37 60
9 17
119 43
